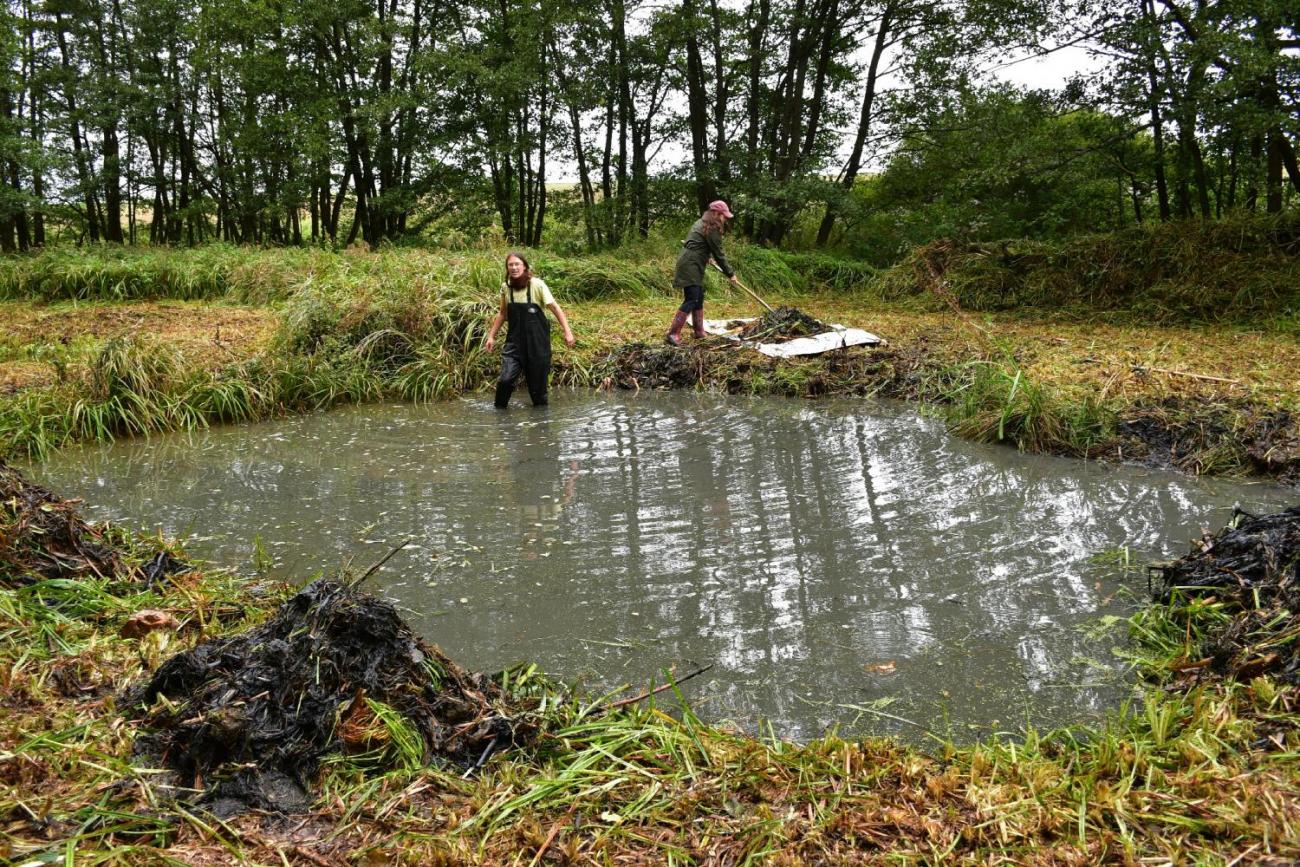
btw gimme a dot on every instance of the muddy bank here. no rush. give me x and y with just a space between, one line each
1252 568
1195 434
1250 571
1208 437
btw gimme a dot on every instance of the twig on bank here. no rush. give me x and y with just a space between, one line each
669 685
1143 368
308 855
550 838
375 568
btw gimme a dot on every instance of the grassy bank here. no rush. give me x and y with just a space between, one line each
1239 270
278 331
1201 769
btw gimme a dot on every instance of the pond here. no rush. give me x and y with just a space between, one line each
840 564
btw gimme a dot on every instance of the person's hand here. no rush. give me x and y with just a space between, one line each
490 343
734 280
569 340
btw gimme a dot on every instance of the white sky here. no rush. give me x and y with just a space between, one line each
1050 71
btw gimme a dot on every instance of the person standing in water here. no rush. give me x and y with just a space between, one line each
702 244
528 337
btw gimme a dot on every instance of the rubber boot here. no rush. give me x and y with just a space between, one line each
503 394
697 322
674 335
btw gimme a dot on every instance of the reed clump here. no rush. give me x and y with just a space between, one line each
997 401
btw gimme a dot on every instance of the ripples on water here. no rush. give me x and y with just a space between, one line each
841 563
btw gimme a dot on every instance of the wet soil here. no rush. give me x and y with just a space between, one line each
1252 569
248 719
1202 437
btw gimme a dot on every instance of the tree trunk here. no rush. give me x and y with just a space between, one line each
850 174
1157 126
698 113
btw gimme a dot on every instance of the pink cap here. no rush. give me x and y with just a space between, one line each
721 207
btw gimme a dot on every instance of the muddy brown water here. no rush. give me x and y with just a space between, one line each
841 563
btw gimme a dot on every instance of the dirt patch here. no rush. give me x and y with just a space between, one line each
248 718
17 375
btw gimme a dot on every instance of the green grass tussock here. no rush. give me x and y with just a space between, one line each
1239 269
995 401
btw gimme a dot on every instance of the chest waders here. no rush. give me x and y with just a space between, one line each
527 350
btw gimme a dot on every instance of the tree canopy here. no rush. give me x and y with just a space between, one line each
180 121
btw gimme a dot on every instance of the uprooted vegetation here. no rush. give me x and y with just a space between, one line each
781 324
244 721
44 537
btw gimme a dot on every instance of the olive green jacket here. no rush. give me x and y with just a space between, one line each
697 249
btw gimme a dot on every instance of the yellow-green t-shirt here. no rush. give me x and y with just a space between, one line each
541 293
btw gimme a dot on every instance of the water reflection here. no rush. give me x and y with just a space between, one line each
840 563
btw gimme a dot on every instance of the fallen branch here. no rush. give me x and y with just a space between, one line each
669 685
375 568
1142 368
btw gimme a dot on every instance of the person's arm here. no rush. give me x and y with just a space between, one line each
569 339
497 320
715 249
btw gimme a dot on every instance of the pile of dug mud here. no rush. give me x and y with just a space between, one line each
1253 566
43 536
640 365
782 324
248 719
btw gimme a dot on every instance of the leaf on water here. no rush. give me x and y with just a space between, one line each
882 667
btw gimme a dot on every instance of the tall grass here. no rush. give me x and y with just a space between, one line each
257 276
995 401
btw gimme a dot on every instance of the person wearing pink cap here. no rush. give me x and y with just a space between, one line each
702 244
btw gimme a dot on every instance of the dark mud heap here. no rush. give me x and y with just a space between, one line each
42 536
783 323
639 365
1253 565
248 718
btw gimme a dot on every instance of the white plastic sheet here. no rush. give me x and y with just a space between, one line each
837 338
